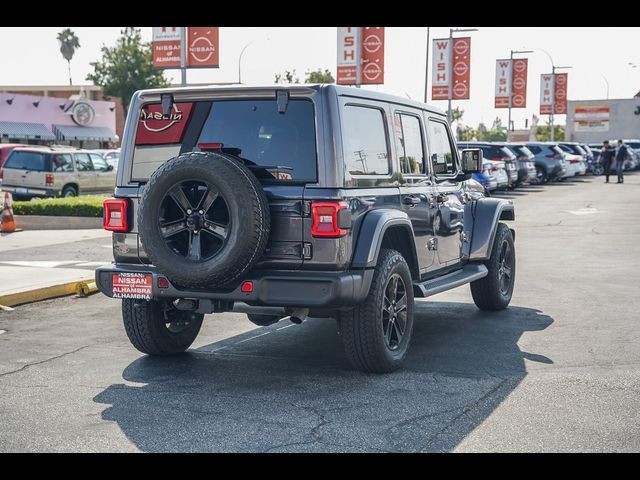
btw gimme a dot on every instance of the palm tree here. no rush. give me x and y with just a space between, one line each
68 44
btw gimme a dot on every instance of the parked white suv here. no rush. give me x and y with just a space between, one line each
41 171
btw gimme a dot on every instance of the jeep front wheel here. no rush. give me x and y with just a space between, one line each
376 334
494 291
159 328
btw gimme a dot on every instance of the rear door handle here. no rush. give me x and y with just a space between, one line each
411 201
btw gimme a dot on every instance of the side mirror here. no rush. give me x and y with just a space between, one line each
472 160
109 168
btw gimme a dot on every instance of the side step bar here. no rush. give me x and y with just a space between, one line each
468 273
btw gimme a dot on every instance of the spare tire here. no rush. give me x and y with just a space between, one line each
203 219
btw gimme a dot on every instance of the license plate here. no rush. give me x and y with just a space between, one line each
132 285
21 190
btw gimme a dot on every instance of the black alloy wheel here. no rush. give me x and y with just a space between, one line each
505 267
394 312
194 220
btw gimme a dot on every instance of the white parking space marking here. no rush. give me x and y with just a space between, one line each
583 211
286 326
251 338
91 264
2 331
39 263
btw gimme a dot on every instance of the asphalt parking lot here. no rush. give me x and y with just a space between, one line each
559 370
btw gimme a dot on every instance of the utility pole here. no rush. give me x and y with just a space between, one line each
183 56
426 73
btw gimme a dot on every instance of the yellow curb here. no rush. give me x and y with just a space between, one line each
43 293
84 289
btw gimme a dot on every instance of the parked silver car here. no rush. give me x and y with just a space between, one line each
39 171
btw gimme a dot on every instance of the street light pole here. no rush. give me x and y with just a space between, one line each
509 129
426 71
183 56
240 60
607 82
451 30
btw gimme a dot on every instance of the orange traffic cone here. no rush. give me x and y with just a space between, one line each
8 222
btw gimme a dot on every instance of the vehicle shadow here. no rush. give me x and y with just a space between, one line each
291 389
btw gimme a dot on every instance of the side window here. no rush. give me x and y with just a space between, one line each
409 144
83 162
61 162
27 161
99 163
365 141
441 151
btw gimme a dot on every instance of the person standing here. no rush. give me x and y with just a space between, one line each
606 158
621 156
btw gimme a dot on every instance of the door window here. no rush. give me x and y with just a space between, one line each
409 144
61 162
99 163
440 147
83 162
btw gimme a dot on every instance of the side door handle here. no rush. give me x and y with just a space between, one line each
411 201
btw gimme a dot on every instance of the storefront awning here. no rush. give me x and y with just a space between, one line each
26 130
72 132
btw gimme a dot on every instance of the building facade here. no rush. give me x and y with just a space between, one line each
592 121
68 115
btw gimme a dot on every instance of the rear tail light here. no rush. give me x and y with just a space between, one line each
115 215
326 221
1 173
49 179
210 146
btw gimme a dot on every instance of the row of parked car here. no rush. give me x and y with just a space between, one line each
508 165
28 171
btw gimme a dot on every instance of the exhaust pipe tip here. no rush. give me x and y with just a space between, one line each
298 315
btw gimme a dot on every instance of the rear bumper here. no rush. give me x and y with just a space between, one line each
277 289
33 192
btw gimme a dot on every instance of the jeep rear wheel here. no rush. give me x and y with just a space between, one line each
376 334
494 291
204 219
158 328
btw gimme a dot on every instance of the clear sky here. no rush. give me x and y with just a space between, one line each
30 56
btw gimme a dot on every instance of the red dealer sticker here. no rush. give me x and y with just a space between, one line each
132 285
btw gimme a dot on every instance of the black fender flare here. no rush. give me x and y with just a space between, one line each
481 219
372 230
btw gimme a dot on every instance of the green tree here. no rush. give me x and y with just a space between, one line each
126 68
318 76
495 135
69 42
468 134
456 114
287 77
543 133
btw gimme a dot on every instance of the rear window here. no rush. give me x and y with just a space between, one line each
34 161
521 151
494 152
276 147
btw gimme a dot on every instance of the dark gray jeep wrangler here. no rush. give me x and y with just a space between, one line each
297 201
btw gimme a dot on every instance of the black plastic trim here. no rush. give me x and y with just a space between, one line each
279 289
